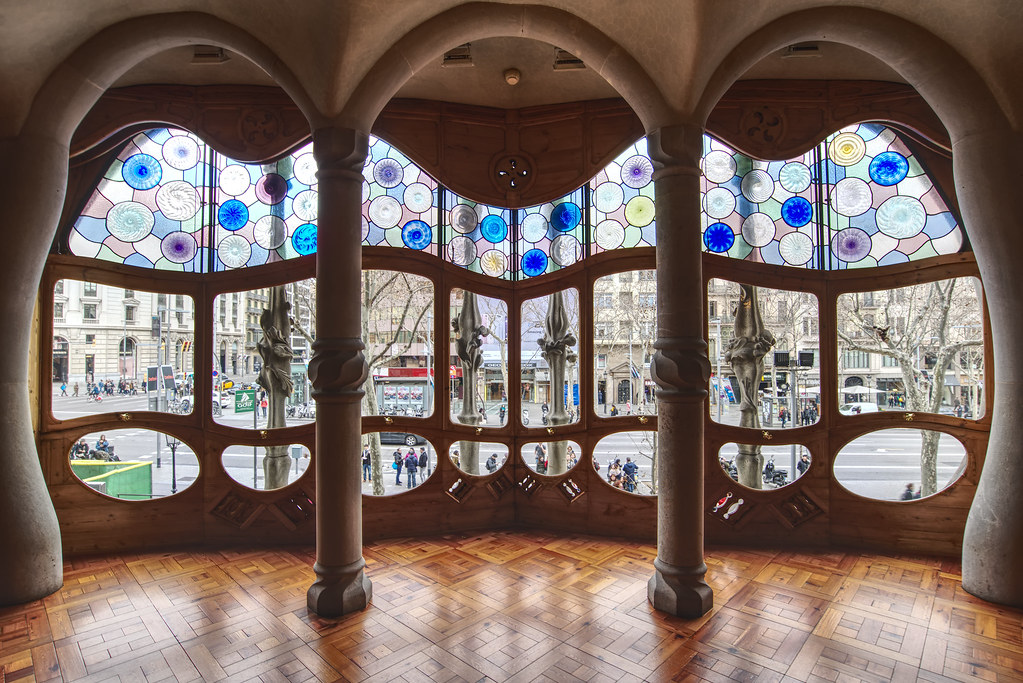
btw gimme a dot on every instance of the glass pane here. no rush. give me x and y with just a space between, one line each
779 463
133 464
399 201
624 331
622 209
101 357
480 236
552 458
628 461
550 367
398 328
550 235
247 465
476 457
900 464
785 387
243 393
918 348
478 397
393 462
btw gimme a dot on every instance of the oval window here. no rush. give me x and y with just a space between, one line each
628 461
781 466
476 457
552 458
133 464
393 462
265 468
900 464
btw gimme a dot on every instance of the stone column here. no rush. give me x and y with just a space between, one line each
681 371
468 329
275 376
33 180
338 370
556 348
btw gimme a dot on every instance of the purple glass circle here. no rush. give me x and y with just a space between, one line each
271 189
178 247
851 244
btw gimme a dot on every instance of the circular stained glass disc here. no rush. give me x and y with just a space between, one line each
305 169
461 250
385 211
796 211
565 250
757 186
718 166
388 173
142 172
847 149
610 234
534 262
365 192
718 203
418 197
796 248
637 171
178 247
234 180
271 189
640 211
493 228
304 239
130 221
719 238
888 168
534 227
181 152
365 228
851 244
270 232
608 197
565 216
416 235
851 197
901 217
234 251
794 176
177 200
493 263
305 205
233 215
463 218
758 230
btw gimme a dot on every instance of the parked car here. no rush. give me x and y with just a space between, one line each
223 399
858 408
401 437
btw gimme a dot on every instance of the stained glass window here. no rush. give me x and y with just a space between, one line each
399 201
858 199
622 197
480 236
552 235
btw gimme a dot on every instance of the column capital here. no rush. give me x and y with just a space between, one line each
681 369
340 151
676 149
338 369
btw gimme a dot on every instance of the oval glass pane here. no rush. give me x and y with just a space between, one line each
265 468
628 461
393 462
478 397
624 331
900 464
550 365
120 350
779 464
788 391
552 458
478 457
133 464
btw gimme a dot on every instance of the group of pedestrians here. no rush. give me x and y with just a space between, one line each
625 477
413 463
102 450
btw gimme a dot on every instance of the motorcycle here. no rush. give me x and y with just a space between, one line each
775 476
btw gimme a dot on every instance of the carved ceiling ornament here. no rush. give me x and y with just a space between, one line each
259 126
512 173
764 124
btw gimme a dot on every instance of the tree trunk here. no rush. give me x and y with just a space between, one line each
928 462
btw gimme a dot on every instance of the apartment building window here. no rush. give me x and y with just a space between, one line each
604 301
59 287
600 330
129 294
129 314
648 275
90 289
856 359
625 277
89 311
58 310
601 361
648 300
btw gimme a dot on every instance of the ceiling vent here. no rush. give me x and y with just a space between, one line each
802 50
459 56
208 54
564 60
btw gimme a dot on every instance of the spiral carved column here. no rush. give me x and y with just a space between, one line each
338 370
681 370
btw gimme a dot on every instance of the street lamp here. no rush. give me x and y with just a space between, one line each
173 443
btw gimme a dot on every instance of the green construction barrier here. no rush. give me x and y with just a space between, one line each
132 480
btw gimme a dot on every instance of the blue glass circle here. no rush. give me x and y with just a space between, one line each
796 211
719 238
534 262
142 172
416 235
233 214
888 168
494 229
565 216
304 239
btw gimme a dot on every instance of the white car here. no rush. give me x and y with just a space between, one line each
858 408
223 399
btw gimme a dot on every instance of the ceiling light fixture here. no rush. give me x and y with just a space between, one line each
512 76
209 54
564 60
459 56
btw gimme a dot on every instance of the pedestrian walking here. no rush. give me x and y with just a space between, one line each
397 467
424 463
411 467
75 392
366 474
263 405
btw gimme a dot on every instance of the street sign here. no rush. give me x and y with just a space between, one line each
245 400
168 377
152 378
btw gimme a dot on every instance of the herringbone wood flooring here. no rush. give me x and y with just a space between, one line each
510 607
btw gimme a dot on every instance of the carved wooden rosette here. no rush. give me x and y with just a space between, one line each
275 377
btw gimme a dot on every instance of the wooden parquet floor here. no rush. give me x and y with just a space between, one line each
510 607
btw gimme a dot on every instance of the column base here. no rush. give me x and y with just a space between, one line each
338 591
680 591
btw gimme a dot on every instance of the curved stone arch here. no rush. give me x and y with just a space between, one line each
75 85
478 20
986 148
